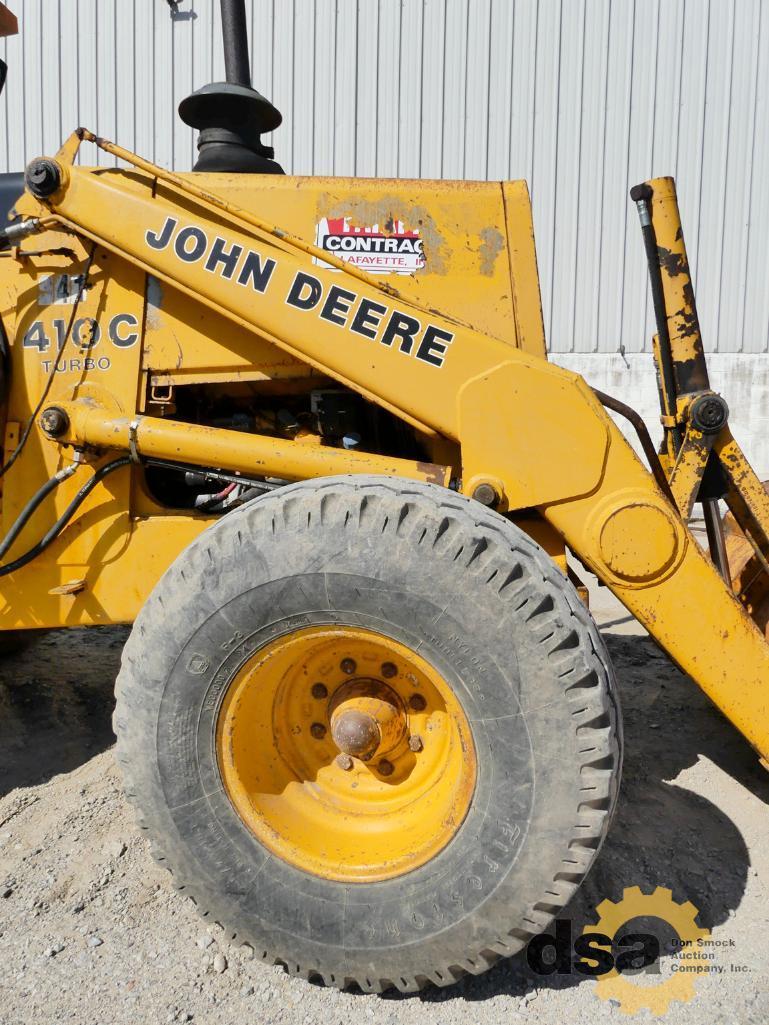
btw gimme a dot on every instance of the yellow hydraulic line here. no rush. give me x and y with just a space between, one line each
90 425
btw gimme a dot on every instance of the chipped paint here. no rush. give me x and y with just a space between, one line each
672 262
492 244
154 302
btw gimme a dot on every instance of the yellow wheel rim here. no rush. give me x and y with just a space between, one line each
345 753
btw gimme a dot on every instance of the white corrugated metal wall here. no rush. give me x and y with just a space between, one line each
581 97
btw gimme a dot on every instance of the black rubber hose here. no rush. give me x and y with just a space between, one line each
644 437
39 496
65 517
641 195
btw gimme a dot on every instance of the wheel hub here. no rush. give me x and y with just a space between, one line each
345 753
367 719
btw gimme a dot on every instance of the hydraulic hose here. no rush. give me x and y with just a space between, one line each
39 496
65 517
645 439
641 195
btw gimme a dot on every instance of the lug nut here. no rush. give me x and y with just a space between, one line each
389 669
415 743
344 762
348 666
417 703
319 690
385 768
318 730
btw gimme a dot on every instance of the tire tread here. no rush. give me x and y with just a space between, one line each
453 525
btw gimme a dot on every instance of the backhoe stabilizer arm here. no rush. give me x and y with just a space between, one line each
535 432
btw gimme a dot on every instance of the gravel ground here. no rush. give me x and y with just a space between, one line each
92 932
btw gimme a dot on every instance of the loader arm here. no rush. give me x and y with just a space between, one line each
532 432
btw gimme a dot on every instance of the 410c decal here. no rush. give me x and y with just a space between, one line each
122 331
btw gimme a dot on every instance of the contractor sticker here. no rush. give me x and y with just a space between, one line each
387 248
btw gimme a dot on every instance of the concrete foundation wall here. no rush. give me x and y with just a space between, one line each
743 380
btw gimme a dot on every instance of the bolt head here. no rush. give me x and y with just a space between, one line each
486 495
319 691
54 421
389 669
417 703
348 666
43 177
318 730
415 743
709 413
344 762
385 768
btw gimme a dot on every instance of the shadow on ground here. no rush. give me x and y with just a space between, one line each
663 834
56 701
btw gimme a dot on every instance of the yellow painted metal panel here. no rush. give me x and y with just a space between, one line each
464 228
524 279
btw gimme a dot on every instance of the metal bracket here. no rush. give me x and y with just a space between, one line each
688 470
133 448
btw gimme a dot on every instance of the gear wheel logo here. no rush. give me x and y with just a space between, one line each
633 997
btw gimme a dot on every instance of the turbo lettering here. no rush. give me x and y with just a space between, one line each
69 365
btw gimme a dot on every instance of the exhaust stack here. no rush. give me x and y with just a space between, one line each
231 116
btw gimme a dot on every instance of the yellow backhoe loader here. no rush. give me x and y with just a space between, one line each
304 435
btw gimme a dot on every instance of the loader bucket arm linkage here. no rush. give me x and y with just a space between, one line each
536 434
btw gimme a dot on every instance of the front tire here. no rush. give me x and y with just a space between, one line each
470 606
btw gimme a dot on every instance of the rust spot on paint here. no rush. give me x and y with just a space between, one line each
433 474
673 263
